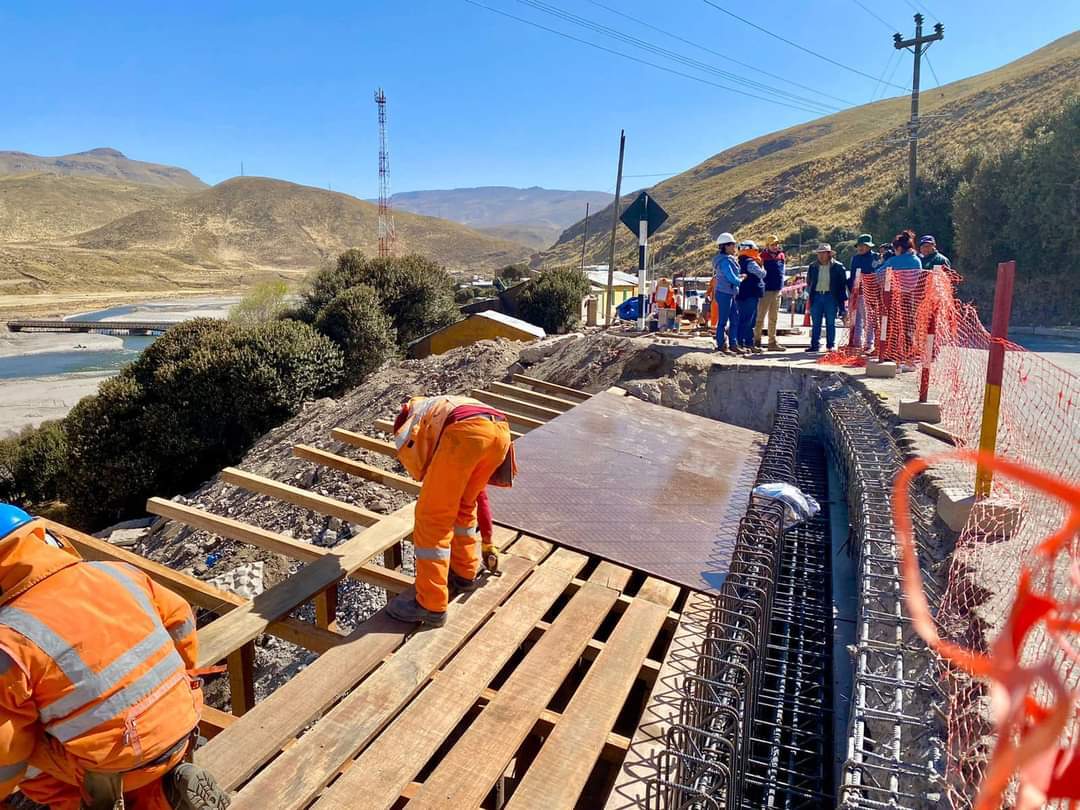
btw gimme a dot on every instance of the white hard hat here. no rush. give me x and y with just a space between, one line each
748 244
725 239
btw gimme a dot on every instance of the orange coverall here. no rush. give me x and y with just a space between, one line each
93 674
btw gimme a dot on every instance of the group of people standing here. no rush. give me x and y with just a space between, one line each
746 285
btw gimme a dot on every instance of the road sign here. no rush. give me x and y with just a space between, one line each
644 208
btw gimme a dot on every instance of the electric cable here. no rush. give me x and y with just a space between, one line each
873 14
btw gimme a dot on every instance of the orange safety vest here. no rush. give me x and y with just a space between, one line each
94 660
664 294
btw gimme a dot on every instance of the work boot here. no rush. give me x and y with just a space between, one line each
757 350
407 609
189 787
775 347
459 584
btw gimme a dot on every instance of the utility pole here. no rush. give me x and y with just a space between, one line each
918 46
614 225
387 234
584 237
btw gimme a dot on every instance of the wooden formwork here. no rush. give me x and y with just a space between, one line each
546 688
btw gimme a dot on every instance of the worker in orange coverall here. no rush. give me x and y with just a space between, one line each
96 703
456 446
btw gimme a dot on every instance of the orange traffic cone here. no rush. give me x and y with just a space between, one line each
806 315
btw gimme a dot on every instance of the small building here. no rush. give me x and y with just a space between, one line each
477 326
624 286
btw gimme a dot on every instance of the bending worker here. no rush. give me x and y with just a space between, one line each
96 703
456 446
663 299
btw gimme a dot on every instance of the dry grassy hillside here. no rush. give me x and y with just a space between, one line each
827 171
101 163
39 206
260 222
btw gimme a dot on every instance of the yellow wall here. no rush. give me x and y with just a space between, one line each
466 332
620 294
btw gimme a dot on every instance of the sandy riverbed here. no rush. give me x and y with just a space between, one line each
17 344
29 401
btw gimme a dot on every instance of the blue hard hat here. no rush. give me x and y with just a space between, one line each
11 518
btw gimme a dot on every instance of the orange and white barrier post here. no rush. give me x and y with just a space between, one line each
886 302
995 372
928 359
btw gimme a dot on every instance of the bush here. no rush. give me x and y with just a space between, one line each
416 293
355 321
553 301
194 402
264 302
32 464
512 273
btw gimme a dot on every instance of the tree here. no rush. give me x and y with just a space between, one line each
264 302
553 301
32 464
356 322
512 273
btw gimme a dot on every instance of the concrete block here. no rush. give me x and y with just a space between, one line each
996 519
881 371
911 410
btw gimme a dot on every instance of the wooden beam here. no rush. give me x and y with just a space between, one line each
518 407
552 388
300 497
195 591
393 581
379 446
242 679
548 401
357 468
326 606
247 622
386 426
214 721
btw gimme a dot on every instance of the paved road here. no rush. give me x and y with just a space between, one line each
1063 352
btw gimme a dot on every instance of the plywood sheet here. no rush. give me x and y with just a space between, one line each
648 487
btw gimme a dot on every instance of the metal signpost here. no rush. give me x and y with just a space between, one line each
643 217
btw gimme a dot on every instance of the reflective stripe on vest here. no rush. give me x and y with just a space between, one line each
9 772
466 531
89 686
414 419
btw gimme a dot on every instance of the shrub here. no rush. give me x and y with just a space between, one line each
553 301
512 273
356 322
194 402
264 302
32 464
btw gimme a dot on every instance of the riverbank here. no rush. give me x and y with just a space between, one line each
22 344
62 304
29 401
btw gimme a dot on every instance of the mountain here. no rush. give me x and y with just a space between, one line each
534 216
827 171
101 164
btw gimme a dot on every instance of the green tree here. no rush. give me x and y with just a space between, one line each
512 273
356 322
32 464
263 302
553 301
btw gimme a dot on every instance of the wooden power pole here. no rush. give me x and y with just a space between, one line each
614 226
918 46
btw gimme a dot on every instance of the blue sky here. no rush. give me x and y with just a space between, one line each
475 98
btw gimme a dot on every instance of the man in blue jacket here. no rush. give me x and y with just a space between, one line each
862 264
826 281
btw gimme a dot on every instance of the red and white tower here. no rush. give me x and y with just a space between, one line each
386 215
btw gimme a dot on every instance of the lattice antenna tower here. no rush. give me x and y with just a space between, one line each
387 234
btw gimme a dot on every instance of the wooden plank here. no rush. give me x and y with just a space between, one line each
354 439
662 707
196 592
610 576
649 667
240 751
297 776
326 606
516 406
300 497
939 433
480 756
552 388
247 622
396 756
557 776
357 468
392 581
213 721
525 394
242 679
386 426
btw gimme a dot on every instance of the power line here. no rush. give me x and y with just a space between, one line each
920 8
718 53
877 84
639 60
604 30
929 64
802 48
896 67
873 14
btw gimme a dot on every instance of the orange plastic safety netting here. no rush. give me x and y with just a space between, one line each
998 572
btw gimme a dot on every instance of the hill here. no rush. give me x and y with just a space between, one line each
40 206
272 224
534 216
101 164
826 172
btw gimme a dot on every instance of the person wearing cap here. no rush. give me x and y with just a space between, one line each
773 260
930 256
826 280
727 280
751 288
100 698
862 265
